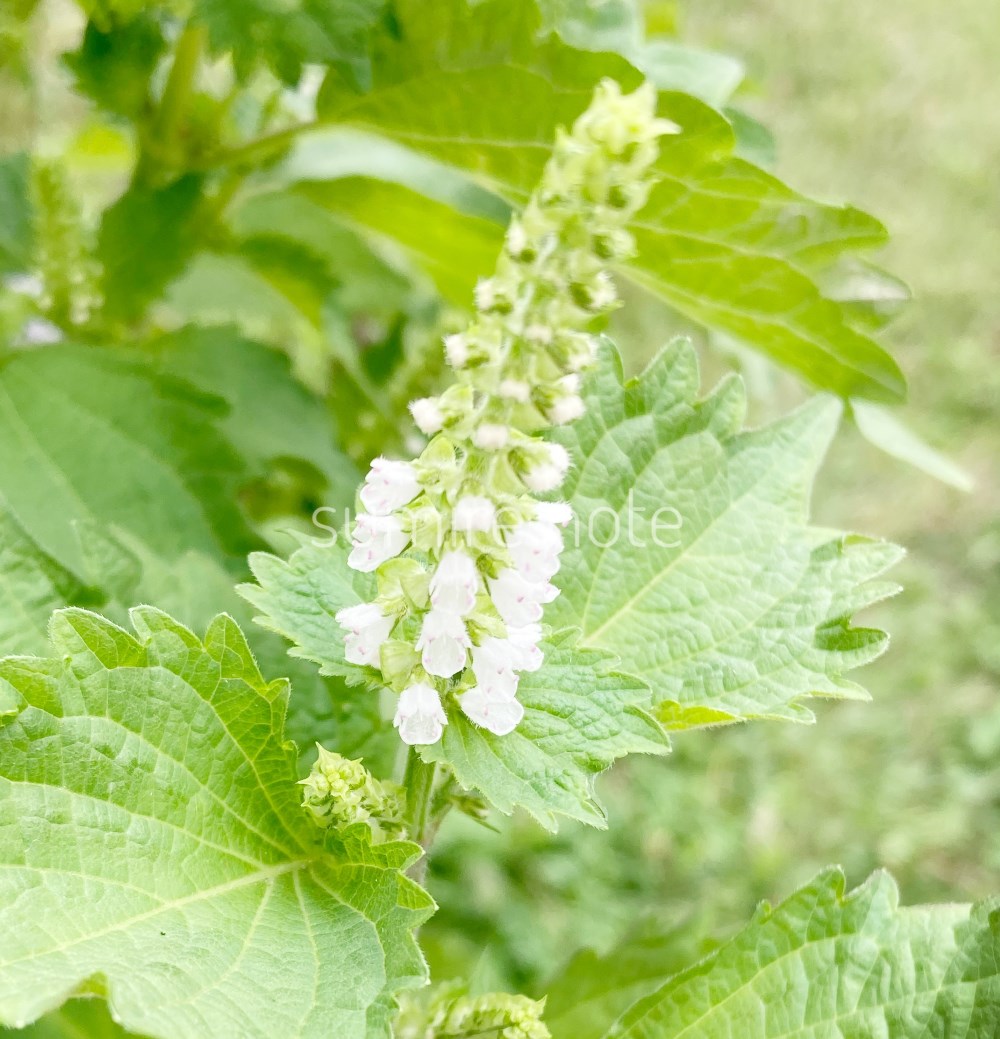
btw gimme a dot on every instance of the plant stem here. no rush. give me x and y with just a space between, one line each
420 822
160 135
260 147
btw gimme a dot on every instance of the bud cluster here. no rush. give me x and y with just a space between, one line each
463 551
340 792
450 1014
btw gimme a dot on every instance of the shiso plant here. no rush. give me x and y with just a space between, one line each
244 687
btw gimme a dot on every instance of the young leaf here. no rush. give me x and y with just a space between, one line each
825 964
694 561
720 240
150 803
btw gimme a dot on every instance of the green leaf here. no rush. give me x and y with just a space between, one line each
694 561
287 35
879 426
272 416
720 240
146 239
16 229
150 802
32 585
591 992
580 715
72 419
825 964
77 1019
114 68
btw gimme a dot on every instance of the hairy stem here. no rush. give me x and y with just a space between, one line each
419 781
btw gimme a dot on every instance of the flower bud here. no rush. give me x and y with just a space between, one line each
427 414
339 792
473 513
420 718
389 486
455 583
491 436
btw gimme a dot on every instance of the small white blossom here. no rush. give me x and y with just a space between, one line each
515 389
517 240
456 349
420 718
557 513
519 601
473 513
534 547
455 583
544 476
367 628
376 539
497 714
493 664
565 410
525 652
39 331
29 285
491 436
538 334
603 293
428 415
389 486
486 295
443 643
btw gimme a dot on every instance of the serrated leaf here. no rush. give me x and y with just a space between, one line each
146 239
720 240
694 561
823 963
150 801
114 68
580 715
72 417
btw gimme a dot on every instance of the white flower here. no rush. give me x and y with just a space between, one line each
534 547
523 640
557 513
443 642
455 583
602 293
39 331
29 285
491 436
515 389
456 349
486 294
497 714
517 240
420 717
566 409
581 351
519 601
367 628
473 513
389 486
540 335
493 663
376 539
427 414
544 476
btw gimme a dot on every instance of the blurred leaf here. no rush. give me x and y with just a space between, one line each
453 248
826 963
697 566
588 995
16 233
77 1019
154 803
754 142
272 416
32 585
146 239
879 426
113 68
95 438
721 241
288 35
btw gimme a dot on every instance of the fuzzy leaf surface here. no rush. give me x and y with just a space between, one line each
694 561
824 964
156 851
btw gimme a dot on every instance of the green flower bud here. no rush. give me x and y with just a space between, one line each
340 792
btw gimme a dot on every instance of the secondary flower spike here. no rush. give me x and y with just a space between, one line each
464 553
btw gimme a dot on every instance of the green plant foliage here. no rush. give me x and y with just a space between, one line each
695 563
16 236
191 757
826 963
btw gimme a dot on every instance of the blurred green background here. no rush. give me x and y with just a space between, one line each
893 107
